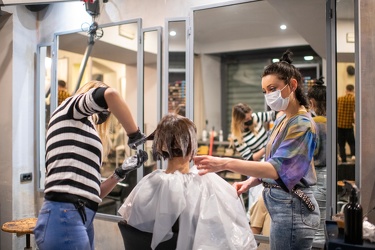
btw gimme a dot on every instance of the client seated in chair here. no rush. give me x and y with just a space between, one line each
207 210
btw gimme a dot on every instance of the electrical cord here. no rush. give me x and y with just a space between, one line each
369 211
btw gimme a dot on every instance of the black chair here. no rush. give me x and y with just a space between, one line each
135 239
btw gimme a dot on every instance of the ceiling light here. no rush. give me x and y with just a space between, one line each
308 58
283 27
172 33
275 60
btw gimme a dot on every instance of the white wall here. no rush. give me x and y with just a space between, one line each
344 27
19 93
6 145
211 79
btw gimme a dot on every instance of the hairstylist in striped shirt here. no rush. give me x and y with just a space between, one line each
288 170
75 147
248 130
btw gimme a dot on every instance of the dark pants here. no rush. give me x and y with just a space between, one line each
345 135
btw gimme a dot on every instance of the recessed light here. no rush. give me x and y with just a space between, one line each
308 58
275 60
172 33
283 27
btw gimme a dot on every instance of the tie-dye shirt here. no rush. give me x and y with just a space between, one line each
320 152
291 149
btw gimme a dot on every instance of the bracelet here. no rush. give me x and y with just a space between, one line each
118 178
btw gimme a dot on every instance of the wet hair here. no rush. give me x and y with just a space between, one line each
180 110
285 71
239 112
318 92
175 136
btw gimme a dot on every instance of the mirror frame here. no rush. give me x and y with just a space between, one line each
55 47
331 162
189 87
331 95
332 91
140 101
40 112
158 29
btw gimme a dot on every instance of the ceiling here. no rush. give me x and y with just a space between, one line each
256 25
78 42
246 26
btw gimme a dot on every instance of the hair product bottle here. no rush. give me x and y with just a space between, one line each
221 137
205 133
353 216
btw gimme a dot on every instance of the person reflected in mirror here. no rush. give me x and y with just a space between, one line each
249 132
75 147
317 97
62 92
206 210
287 173
345 123
250 136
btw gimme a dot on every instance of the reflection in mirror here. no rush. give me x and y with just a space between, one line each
221 40
232 45
113 59
345 76
152 88
44 61
176 64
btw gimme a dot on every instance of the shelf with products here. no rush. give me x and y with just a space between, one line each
219 148
176 94
176 80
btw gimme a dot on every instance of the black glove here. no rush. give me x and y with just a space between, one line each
136 139
131 163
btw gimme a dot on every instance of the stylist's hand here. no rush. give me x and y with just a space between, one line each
242 186
206 164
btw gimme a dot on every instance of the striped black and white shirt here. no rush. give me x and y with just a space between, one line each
251 142
74 149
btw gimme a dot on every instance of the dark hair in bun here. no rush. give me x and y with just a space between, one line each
320 81
287 57
317 92
285 71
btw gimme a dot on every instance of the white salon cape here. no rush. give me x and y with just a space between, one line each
211 216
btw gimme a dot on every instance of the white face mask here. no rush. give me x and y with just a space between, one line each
275 101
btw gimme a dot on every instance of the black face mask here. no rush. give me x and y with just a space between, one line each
248 123
103 116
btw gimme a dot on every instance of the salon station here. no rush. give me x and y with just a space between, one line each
203 56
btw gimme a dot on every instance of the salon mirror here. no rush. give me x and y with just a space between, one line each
175 88
233 43
113 59
345 74
152 88
229 56
44 74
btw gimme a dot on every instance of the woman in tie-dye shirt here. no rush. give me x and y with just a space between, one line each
288 171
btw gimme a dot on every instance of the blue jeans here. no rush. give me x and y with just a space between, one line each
293 225
60 226
320 191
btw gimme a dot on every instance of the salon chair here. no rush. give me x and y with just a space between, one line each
135 239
